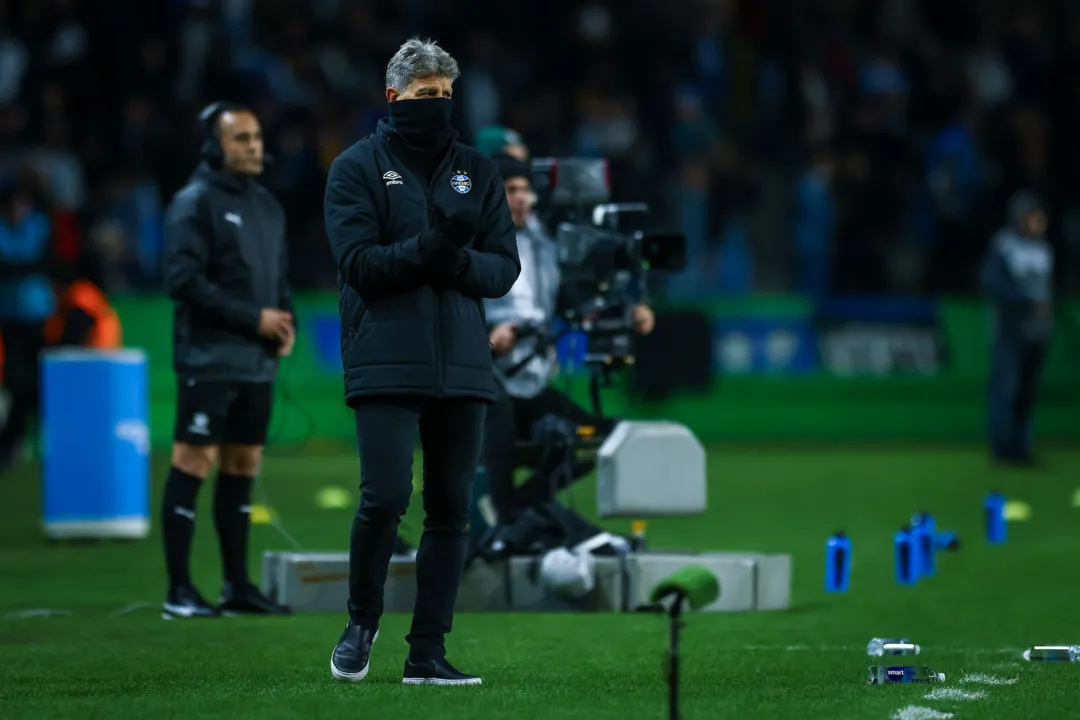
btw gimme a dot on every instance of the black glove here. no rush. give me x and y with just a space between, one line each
459 229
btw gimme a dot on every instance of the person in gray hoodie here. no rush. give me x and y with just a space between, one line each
1017 277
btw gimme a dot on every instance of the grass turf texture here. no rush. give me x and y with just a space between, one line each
984 601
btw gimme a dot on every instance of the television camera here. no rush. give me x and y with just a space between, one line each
605 253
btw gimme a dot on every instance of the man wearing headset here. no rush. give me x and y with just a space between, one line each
225 270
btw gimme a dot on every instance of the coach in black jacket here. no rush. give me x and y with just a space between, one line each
225 271
421 232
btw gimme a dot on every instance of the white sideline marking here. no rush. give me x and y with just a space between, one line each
984 679
955 694
915 712
127 609
799 648
862 648
35 613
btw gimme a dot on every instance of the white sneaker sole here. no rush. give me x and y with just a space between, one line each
343 676
441 681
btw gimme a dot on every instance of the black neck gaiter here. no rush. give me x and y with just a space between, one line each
423 124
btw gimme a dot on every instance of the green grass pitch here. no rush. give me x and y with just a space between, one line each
808 663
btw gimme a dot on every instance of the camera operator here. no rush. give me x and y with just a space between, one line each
526 396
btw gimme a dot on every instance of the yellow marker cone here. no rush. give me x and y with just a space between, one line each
1016 510
333 497
261 515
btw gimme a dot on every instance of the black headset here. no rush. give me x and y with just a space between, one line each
211 150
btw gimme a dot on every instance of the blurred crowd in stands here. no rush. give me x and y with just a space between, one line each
821 146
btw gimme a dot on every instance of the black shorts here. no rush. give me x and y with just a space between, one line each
210 412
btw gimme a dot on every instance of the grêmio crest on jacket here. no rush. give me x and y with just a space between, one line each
460 181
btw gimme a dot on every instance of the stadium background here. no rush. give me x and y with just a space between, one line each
837 166
828 161
833 164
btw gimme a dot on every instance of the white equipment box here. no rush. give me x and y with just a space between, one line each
318 582
650 469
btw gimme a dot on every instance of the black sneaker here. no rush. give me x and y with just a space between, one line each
436 671
352 656
185 602
248 600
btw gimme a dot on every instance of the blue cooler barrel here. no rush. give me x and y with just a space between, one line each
95 444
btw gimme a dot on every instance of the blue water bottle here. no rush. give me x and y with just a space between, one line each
907 557
837 563
924 529
994 515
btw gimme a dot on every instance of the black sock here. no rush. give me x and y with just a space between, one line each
178 524
232 517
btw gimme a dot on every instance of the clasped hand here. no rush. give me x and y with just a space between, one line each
458 228
449 236
277 326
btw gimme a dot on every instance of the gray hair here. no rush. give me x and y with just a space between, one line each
418 58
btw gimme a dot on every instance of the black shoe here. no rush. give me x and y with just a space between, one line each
248 600
352 656
185 602
435 671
